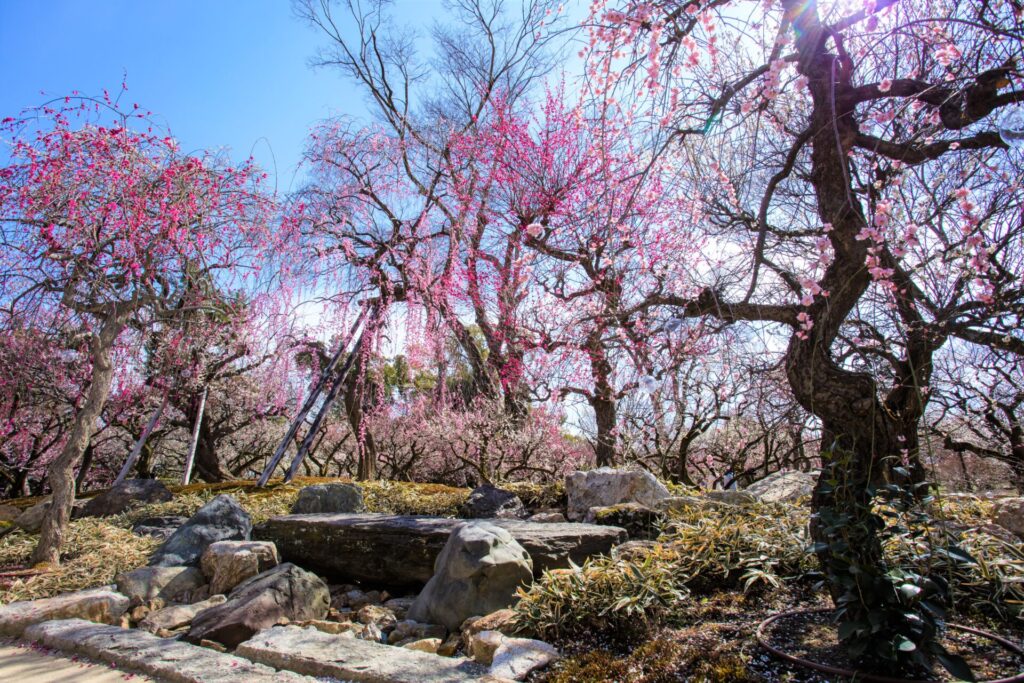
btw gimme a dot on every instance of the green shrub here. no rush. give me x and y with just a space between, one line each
617 602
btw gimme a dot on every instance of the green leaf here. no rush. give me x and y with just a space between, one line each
956 665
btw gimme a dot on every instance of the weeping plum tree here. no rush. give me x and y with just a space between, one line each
104 226
853 161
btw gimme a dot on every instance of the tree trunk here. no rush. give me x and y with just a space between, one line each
208 465
194 442
61 471
83 471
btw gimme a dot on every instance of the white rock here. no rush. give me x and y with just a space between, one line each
229 563
607 486
516 658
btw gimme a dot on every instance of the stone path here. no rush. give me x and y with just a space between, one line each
21 664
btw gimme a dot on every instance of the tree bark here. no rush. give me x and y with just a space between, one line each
61 471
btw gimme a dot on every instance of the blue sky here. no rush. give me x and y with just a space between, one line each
220 73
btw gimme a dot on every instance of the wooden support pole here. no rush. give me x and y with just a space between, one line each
133 457
310 401
187 474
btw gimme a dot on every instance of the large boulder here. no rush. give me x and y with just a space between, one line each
607 486
489 501
31 520
285 593
639 521
228 563
783 487
158 527
731 497
399 551
328 498
1009 514
167 583
222 519
102 605
479 571
121 497
9 513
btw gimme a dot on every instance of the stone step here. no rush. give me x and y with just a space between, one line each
399 550
162 658
103 605
314 653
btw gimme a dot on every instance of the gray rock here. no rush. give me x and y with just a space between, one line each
310 652
167 583
479 570
607 486
158 527
731 497
408 629
329 498
783 487
400 551
98 604
31 520
121 497
222 519
547 518
681 503
285 593
1009 514
489 501
178 616
163 659
9 513
228 563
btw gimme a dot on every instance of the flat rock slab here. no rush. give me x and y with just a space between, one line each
399 550
98 604
314 653
164 659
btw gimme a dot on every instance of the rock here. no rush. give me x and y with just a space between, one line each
489 501
547 518
783 487
222 519
517 658
606 486
371 632
227 563
177 616
102 605
329 498
333 627
682 504
31 520
167 583
1009 514
413 630
480 569
731 497
450 646
121 497
400 551
400 606
212 645
158 527
381 617
483 645
164 660
634 551
500 621
430 645
284 593
639 521
9 513
310 652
